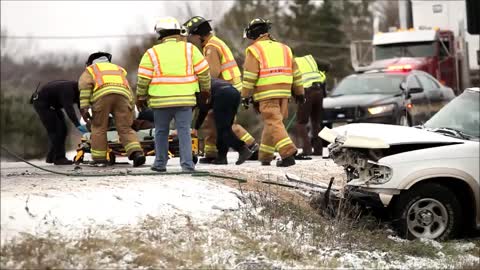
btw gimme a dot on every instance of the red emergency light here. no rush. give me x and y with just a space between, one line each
403 68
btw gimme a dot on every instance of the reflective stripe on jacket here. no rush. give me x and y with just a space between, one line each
309 69
171 68
276 69
229 69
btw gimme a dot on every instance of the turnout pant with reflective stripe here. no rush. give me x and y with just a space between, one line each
275 136
120 107
211 135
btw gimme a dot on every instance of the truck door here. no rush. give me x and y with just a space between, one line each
420 104
446 60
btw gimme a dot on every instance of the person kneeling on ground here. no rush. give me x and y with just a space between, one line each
225 100
104 86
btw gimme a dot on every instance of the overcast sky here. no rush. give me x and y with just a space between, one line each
91 18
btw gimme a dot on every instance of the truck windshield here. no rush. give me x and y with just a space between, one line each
417 49
380 83
461 114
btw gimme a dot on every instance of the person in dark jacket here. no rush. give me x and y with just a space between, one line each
225 100
48 103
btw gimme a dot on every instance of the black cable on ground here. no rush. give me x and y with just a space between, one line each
240 180
279 184
128 172
33 165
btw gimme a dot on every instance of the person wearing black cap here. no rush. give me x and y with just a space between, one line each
224 103
48 102
105 89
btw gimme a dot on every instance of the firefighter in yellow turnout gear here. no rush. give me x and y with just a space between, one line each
104 87
271 75
223 66
170 75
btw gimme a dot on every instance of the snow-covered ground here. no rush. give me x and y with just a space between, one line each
201 219
56 201
33 201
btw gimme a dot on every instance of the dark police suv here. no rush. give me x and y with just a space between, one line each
396 95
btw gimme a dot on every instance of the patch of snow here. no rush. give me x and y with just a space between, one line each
134 198
464 247
440 255
432 243
397 239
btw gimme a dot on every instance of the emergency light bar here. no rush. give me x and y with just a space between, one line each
404 68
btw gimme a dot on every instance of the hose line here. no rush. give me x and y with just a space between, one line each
290 121
128 172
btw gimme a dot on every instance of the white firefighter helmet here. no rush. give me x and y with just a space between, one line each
169 23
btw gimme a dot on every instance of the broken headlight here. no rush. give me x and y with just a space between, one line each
376 174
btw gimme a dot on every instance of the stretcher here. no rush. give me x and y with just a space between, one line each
146 139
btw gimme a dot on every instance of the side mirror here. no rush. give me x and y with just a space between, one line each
403 86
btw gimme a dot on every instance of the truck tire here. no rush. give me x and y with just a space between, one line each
428 211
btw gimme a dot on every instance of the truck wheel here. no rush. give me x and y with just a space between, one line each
428 211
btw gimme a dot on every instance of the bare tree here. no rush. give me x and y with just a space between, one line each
389 10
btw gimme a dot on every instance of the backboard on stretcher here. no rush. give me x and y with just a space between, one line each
146 139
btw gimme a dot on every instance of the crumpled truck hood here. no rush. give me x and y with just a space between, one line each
381 135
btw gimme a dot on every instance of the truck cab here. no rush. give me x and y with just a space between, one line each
429 50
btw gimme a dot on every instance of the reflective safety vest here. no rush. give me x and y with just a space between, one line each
309 69
173 80
276 68
109 79
229 68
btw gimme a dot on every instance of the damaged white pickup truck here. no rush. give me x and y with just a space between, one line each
427 177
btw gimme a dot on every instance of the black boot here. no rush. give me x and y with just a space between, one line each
254 148
138 158
206 160
286 162
157 169
243 155
62 161
220 160
50 157
317 144
98 163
